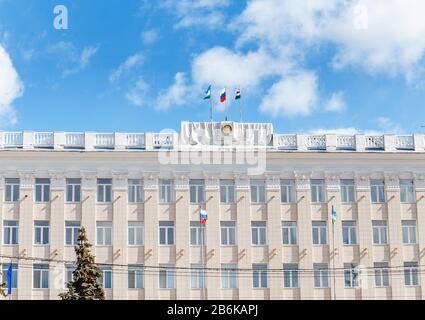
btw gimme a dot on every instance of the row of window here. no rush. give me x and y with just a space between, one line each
197 232
197 191
229 275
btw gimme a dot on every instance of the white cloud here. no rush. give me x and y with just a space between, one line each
347 131
388 126
83 61
11 88
175 95
128 65
138 93
150 36
336 103
292 96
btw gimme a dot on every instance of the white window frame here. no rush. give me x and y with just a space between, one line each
351 276
411 274
168 273
42 190
11 190
197 190
105 227
3 276
409 231
73 188
259 270
291 273
229 276
258 191
226 230
382 275
197 276
166 191
138 276
104 190
258 228
318 191
135 227
382 231
407 191
68 276
197 234
377 191
42 272
227 191
289 233
135 191
164 228
321 275
106 273
13 231
287 191
74 229
348 191
40 228
349 229
317 227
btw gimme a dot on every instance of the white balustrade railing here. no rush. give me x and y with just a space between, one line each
316 142
346 142
163 140
104 141
43 140
374 142
74 140
135 140
13 139
286 141
404 142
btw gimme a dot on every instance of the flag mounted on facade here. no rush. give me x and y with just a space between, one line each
208 93
9 279
223 95
237 94
203 216
333 214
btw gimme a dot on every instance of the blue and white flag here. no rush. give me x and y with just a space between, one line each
333 215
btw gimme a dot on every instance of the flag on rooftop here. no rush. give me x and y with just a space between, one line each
237 94
208 93
223 95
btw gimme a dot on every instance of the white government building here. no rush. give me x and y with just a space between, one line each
269 198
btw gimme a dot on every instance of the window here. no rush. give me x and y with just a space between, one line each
3 276
379 232
317 191
167 276
290 275
348 192
259 233
69 270
73 190
197 234
135 276
41 232
229 278
135 233
104 233
104 190
106 278
166 233
40 276
228 233
11 189
289 232
321 275
72 229
377 191
258 191
259 276
135 191
42 190
227 191
409 231
320 232
287 191
407 191
382 278
10 232
197 276
349 232
166 191
411 274
197 187
351 275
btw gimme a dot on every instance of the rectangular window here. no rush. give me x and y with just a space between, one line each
197 234
42 190
259 233
73 190
382 277
351 275
166 191
289 232
287 191
135 233
321 275
197 190
409 231
228 233
377 191
227 191
106 278
69 269
41 232
258 191
104 233
167 276
135 191
72 229
40 276
317 190
411 274
259 276
10 232
3 276
11 188
104 190
197 276
349 232
229 279
407 191
135 276
320 233
379 232
290 275
348 191
166 233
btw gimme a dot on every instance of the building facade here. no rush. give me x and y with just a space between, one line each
270 232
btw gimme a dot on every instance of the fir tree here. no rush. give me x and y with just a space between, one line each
85 284
3 287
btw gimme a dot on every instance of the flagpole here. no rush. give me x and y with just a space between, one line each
240 105
202 250
211 110
334 255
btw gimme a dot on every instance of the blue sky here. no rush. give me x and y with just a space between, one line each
311 66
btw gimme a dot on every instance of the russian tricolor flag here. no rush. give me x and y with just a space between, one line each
203 216
223 95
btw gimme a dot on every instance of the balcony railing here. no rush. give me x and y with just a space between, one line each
43 140
404 142
163 140
74 140
135 141
104 141
13 140
374 142
316 142
286 141
346 142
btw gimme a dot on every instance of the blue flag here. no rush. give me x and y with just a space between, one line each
9 279
333 214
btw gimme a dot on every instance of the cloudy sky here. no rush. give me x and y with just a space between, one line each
143 65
